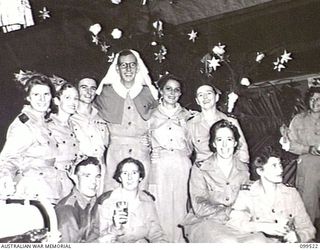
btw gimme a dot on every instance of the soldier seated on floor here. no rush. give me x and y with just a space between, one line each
270 208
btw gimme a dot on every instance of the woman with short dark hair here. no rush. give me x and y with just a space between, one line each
171 149
126 214
214 185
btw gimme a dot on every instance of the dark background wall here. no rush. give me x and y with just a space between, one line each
62 45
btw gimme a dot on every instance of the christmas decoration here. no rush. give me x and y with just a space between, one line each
192 36
44 13
116 33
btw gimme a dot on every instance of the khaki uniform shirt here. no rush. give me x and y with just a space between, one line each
92 133
251 206
199 130
143 222
211 192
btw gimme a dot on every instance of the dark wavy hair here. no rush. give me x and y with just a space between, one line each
121 164
58 94
88 161
38 80
310 94
215 89
223 124
264 155
164 79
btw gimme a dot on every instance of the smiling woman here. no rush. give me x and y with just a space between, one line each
28 163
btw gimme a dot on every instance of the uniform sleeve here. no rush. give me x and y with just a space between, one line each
240 217
200 199
67 224
296 145
155 234
302 222
242 152
18 140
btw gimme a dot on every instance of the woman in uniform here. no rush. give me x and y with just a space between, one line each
171 148
214 185
127 214
27 159
66 101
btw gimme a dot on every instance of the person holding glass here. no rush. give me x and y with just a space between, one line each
214 185
170 166
268 207
126 214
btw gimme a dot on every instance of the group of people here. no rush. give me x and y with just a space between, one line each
115 161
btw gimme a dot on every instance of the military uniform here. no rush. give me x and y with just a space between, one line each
92 133
67 152
73 214
304 131
212 194
28 156
251 206
171 141
199 130
142 225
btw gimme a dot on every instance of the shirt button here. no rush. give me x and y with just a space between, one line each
227 199
57 145
170 128
198 140
169 118
129 107
129 123
96 150
171 140
273 211
74 144
71 134
171 150
63 141
257 218
75 155
40 173
130 150
50 134
48 142
227 183
290 215
276 221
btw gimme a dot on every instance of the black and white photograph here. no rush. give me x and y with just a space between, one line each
159 121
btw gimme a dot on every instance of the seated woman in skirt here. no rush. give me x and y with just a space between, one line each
214 186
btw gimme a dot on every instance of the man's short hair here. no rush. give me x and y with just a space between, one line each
88 161
125 52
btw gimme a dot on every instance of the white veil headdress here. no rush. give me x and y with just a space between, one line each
142 78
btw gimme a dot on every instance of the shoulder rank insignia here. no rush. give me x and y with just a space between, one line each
245 186
23 118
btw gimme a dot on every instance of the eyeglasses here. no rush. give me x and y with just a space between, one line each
131 65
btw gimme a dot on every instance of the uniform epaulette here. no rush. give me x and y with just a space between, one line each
149 195
103 197
23 118
289 185
245 186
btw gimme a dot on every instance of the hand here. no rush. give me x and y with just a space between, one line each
292 237
276 229
144 140
155 155
119 218
314 151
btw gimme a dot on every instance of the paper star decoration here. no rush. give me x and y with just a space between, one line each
44 13
285 57
104 47
219 50
278 65
111 58
95 40
159 56
192 36
214 63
